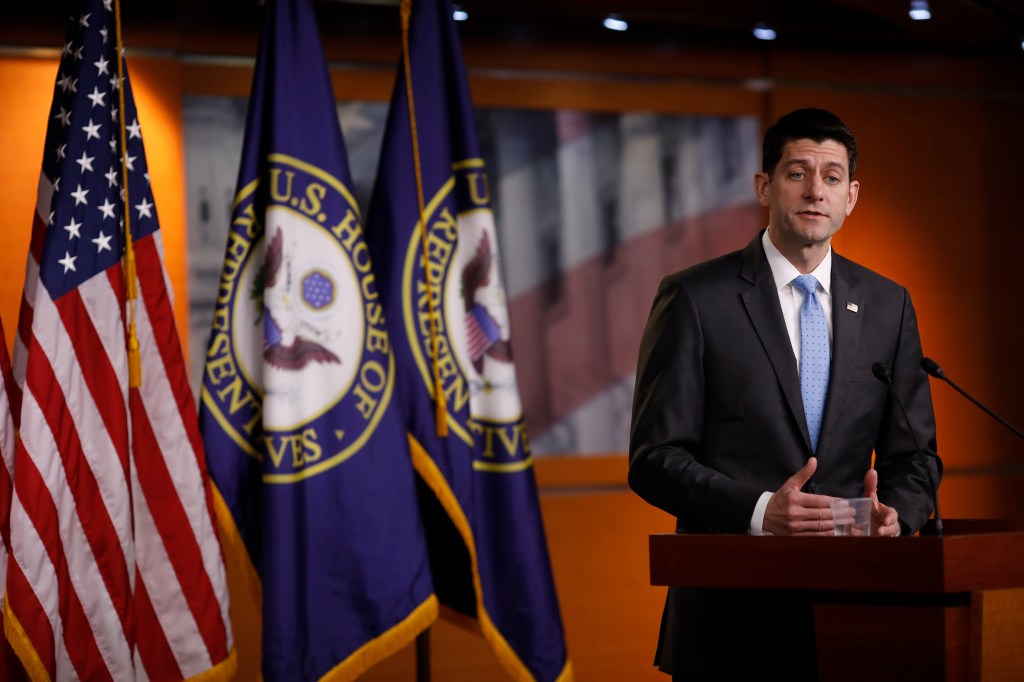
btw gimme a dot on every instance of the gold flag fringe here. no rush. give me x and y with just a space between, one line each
509 659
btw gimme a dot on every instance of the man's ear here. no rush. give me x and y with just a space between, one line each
761 182
851 198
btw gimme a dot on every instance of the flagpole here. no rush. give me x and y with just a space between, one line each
440 406
131 291
423 656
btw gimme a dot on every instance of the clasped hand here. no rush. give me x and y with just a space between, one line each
792 512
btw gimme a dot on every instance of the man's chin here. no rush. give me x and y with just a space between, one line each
817 234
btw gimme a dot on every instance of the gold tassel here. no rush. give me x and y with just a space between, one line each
130 286
134 358
440 406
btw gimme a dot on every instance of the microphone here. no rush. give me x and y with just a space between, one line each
932 367
881 373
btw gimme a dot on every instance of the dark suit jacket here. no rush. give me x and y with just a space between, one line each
717 413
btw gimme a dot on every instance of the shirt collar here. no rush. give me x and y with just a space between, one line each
784 272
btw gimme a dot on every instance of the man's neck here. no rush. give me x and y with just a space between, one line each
804 257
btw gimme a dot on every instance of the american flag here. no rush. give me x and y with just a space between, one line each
482 331
115 570
10 668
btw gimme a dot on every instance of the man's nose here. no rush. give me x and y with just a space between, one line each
815 188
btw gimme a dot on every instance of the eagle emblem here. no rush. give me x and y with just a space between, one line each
483 333
285 343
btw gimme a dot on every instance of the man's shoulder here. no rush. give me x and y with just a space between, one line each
711 272
860 275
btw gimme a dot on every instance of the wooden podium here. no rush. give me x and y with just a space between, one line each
913 608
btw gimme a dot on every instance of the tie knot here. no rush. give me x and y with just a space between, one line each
806 283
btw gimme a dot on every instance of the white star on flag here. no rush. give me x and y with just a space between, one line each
97 97
64 116
65 83
92 130
79 196
134 130
111 177
85 162
144 209
108 208
68 261
73 229
102 242
101 67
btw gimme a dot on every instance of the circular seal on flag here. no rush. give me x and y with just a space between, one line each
308 371
310 318
470 313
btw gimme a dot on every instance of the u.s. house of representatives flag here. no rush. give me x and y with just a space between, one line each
447 313
115 570
298 402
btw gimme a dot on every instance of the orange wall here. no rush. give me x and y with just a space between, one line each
940 171
29 83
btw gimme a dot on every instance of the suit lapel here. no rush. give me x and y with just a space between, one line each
762 303
847 316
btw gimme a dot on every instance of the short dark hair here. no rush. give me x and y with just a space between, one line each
806 124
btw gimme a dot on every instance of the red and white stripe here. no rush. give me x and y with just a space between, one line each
9 665
116 570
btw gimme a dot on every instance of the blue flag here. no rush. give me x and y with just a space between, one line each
448 317
299 411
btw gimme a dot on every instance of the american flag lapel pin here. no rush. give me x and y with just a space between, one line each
852 307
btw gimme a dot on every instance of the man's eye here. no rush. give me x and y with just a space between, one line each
832 180
797 175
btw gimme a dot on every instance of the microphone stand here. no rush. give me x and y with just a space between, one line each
881 373
933 369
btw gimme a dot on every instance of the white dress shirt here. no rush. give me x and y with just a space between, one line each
791 299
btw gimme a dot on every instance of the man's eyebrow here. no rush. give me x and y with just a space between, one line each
805 162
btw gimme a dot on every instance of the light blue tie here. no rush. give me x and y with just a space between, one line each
814 356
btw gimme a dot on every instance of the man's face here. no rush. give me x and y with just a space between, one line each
809 194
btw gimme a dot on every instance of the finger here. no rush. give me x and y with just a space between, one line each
799 478
795 512
885 520
871 484
812 519
812 501
843 515
829 531
884 515
888 530
812 528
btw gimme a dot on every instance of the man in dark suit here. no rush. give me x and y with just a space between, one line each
756 404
